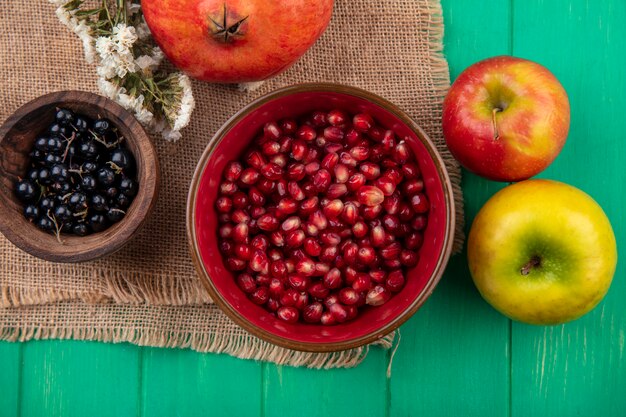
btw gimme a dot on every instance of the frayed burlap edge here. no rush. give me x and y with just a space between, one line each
243 347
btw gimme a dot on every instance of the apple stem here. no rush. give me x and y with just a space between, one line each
534 262
496 134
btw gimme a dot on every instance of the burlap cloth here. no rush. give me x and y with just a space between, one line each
148 293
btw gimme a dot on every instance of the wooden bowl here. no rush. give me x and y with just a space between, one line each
17 136
202 224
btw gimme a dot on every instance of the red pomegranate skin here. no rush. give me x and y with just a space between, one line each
261 39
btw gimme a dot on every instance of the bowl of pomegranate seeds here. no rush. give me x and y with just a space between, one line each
320 217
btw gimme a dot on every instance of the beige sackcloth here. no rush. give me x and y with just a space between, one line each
148 293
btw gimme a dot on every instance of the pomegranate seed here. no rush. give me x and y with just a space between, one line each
299 150
260 242
405 213
249 176
327 319
359 230
413 186
223 218
342 173
295 172
370 170
224 205
395 281
410 170
259 262
348 296
240 200
228 188
386 185
285 144
378 236
295 238
311 168
312 155
235 264
280 160
256 212
402 153
267 222
336 190
370 195
275 254
318 290
388 142
286 206
319 220
303 300
377 153
255 160
270 148
349 214
233 171
419 222
295 191
339 312
312 247
260 296
321 180
356 181
350 253
263 280
370 213
333 134
226 247
306 268
240 233
362 122
391 251
306 133
363 282
353 311
308 206
318 118
333 209
353 137
243 251
347 159
278 269
391 223
409 258
420 203
291 265
337 118
291 223
413 240
246 283
360 153
351 275
298 282
272 304
310 229
289 126
226 231
313 313
377 296
366 255
392 204
272 131
332 279
330 161
277 238
281 188
256 197
288 314
272 171
378 276
309 190
376 133
329 253
289 297
393 263
394 175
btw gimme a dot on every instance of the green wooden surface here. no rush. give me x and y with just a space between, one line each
457 356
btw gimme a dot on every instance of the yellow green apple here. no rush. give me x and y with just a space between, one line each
506 118
542 252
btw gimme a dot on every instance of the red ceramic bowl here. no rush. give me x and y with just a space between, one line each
231 141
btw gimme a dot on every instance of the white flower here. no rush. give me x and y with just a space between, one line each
171 135
109 89
84 33
124 36
144 116
106 72
66 17
187 103
143 31
132 8
125 64
105 47
157 54
114 61
146 62
130 102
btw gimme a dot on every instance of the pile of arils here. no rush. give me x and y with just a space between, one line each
81 177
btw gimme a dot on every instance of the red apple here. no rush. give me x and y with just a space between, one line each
235 40
506 118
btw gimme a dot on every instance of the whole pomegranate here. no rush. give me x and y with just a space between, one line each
235 40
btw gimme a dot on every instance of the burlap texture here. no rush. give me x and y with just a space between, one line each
148 293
